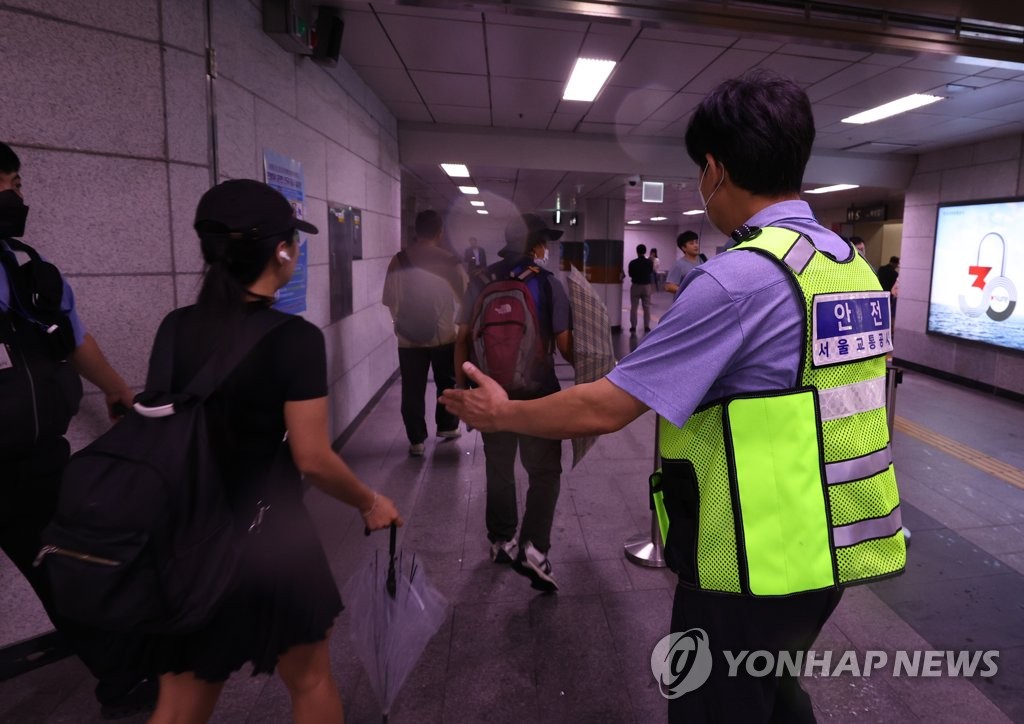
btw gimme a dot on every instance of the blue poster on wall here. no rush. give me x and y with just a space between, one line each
285 175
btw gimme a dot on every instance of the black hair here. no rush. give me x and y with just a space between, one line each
894 260
685 237
856 240
428 224
641 249
9 161
231 266
760 127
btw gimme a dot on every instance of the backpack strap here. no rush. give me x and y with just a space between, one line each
36 293
545 307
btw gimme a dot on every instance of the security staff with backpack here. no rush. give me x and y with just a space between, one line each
512 319
422 289
768 372
43 349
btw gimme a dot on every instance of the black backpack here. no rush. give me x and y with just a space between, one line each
143 539
39 389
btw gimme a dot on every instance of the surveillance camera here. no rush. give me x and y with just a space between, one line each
633 180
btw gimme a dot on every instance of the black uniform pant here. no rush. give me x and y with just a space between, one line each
414 363
743 623
29 487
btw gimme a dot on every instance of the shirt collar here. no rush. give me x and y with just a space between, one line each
783 210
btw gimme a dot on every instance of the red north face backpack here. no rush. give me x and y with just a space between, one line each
507 337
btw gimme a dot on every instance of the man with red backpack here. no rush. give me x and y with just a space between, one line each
513 317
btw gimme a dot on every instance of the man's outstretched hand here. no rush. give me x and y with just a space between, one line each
479 407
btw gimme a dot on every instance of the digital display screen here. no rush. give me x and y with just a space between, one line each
977 265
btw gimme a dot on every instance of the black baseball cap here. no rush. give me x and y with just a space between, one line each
247 209
529 229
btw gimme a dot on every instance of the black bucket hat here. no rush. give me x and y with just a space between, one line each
247 209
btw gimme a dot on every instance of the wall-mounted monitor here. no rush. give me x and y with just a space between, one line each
976 269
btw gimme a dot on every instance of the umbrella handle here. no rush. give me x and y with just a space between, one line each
391 584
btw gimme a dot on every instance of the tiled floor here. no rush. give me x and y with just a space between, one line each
508 654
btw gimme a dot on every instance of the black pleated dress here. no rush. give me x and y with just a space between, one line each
286 593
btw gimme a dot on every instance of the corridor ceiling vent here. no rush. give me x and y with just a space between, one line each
653 192
455 170
893 108
587 79
830 189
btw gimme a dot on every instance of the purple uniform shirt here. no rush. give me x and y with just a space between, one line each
735 326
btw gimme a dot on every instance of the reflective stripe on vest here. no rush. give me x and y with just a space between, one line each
790 490
850 399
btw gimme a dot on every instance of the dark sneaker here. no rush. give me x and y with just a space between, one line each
140 698
504 551
416 449
535 565
449 434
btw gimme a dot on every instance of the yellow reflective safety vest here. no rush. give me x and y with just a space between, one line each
783 491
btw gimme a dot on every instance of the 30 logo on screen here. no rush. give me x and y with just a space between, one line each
998 295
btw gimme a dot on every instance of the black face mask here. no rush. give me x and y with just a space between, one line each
13 213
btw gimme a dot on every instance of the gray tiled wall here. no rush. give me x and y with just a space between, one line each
105 101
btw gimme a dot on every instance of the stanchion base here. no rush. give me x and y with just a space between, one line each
644 552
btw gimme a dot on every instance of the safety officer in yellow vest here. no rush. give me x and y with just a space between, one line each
768 374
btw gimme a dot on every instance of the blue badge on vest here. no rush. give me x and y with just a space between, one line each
850 326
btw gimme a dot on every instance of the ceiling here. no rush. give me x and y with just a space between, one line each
484 81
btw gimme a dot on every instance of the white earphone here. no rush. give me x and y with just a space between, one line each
284 255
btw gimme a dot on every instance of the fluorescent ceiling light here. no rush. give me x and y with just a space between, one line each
587 79
830 189
476 203
659 218
987 63
470 190
892 108
481 211
653 192
455 170
693 212
633 221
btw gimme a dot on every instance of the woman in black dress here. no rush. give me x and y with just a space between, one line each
280 614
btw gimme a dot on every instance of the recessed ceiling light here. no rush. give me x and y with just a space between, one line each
653 192
693 212
892 108
470 190
659 218
587 79
476 203
455 170
633 221
481 211
830 189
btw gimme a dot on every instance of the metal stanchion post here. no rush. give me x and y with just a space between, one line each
646 550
